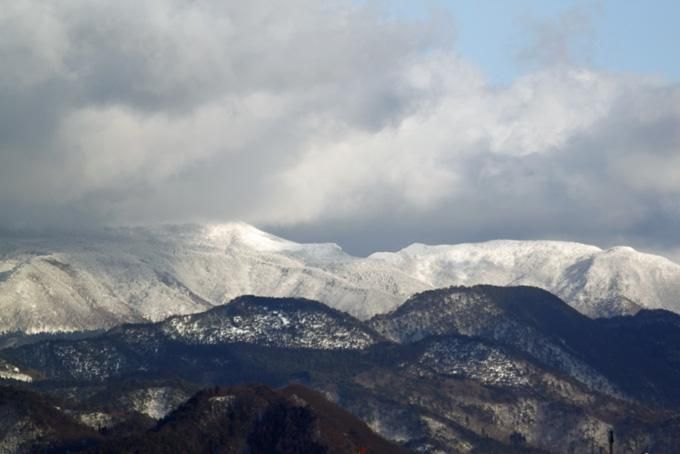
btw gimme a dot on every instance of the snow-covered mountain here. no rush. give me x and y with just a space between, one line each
596 282
135 275
119 275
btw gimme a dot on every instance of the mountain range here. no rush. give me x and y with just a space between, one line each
62 283
462 369
143 338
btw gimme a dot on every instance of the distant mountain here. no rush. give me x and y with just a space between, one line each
137 275
596 282
95 281
485 369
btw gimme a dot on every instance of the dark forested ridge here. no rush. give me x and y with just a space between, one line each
242 419
481 369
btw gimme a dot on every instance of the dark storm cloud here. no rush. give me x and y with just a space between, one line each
323 121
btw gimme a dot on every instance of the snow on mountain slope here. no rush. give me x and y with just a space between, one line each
285 322
11 372
66 283
594 281
525 318
134 275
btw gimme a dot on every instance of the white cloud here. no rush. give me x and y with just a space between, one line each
313 114
425 158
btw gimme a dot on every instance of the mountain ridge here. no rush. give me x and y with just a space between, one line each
621 356
127 275
482 382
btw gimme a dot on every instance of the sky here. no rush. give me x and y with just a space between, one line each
372 124
609 35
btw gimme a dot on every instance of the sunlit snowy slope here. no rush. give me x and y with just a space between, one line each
596 282
125 275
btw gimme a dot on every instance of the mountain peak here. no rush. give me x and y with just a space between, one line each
245 234
282 322
466 310
148 274
622 249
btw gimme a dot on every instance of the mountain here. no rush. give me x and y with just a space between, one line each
627 356
29 420
596 282
136 275
447 382
521 317
131 275
244 419
130 349
249 419
279 322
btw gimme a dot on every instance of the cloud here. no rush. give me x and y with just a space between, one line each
321 120
565 39
102 98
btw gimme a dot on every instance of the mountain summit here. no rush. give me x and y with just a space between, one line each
67 283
